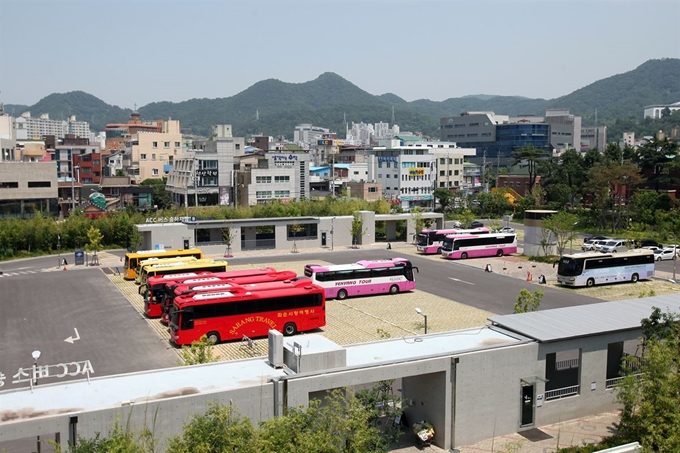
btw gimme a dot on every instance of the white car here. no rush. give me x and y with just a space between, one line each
665 254
506 230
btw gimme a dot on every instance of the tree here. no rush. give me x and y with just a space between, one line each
660 160
228 237
418 220
529 156
198 352
94 245
562 226
651 403
527 302
162 199
219 429
445 198
611 186
357 229
295 228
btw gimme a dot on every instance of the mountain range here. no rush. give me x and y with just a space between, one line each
272 107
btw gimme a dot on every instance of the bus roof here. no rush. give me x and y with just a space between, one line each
455 230
596 254
458 237
240 293
142 253
363 264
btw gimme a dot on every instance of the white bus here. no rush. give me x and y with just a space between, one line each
595 268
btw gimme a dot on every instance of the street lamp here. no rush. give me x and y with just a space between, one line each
36 356
420 312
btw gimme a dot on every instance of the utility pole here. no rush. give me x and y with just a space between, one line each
195 180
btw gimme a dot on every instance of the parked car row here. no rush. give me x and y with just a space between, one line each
609 245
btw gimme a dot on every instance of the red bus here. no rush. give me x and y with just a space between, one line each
175 289
229 315
154 288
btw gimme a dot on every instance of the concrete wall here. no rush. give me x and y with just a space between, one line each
170 235
487 391
534 234
593 369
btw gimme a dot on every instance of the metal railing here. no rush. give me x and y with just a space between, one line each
562 393
566 364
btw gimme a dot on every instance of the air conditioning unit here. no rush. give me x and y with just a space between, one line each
275 354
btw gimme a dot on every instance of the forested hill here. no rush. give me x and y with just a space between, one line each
273 107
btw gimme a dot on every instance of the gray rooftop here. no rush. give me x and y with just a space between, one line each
571 322
114 391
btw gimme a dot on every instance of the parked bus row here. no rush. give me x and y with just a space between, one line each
230 304
132 259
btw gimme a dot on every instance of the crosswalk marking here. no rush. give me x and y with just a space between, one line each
13 274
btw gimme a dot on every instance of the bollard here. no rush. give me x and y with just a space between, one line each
488 268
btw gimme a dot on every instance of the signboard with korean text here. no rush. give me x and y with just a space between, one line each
416 171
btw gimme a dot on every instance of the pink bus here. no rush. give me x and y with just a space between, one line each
475 246
363 278
429 242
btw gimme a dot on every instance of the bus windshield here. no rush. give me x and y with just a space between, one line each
570 266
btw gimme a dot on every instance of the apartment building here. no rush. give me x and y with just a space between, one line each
274 175
28 127
593 138
117 134
150 155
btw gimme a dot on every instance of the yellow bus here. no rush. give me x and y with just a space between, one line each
161 262
204 265
132 258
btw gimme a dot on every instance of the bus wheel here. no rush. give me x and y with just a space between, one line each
463 256
499 253
634 278
342 294
213 337
439 251
394 289
590 283
289 329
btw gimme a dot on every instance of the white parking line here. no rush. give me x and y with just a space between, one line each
462 281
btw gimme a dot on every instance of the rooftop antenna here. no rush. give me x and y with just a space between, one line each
392 115
595 117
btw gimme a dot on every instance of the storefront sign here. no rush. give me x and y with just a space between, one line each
416 171
387 158
169 219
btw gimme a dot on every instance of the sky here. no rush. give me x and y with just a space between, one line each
134 52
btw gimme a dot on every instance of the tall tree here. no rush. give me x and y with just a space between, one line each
650 391
529 156
611 186
562 226
659 160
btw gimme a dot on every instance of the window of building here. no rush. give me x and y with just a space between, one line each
178 145
37 184
562 374
263 179
456 172
379 175
474 124
442 161
442 173
142 156
282 193
372 189
281 178
356 172
154 144
486 134
630 351
263 194
166 144
387 176
459 125
153 156
442 184
238 146
96 162
154 172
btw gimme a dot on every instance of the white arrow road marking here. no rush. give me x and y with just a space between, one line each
71 339
462 281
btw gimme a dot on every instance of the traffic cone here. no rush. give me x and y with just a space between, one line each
64 268
528 276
